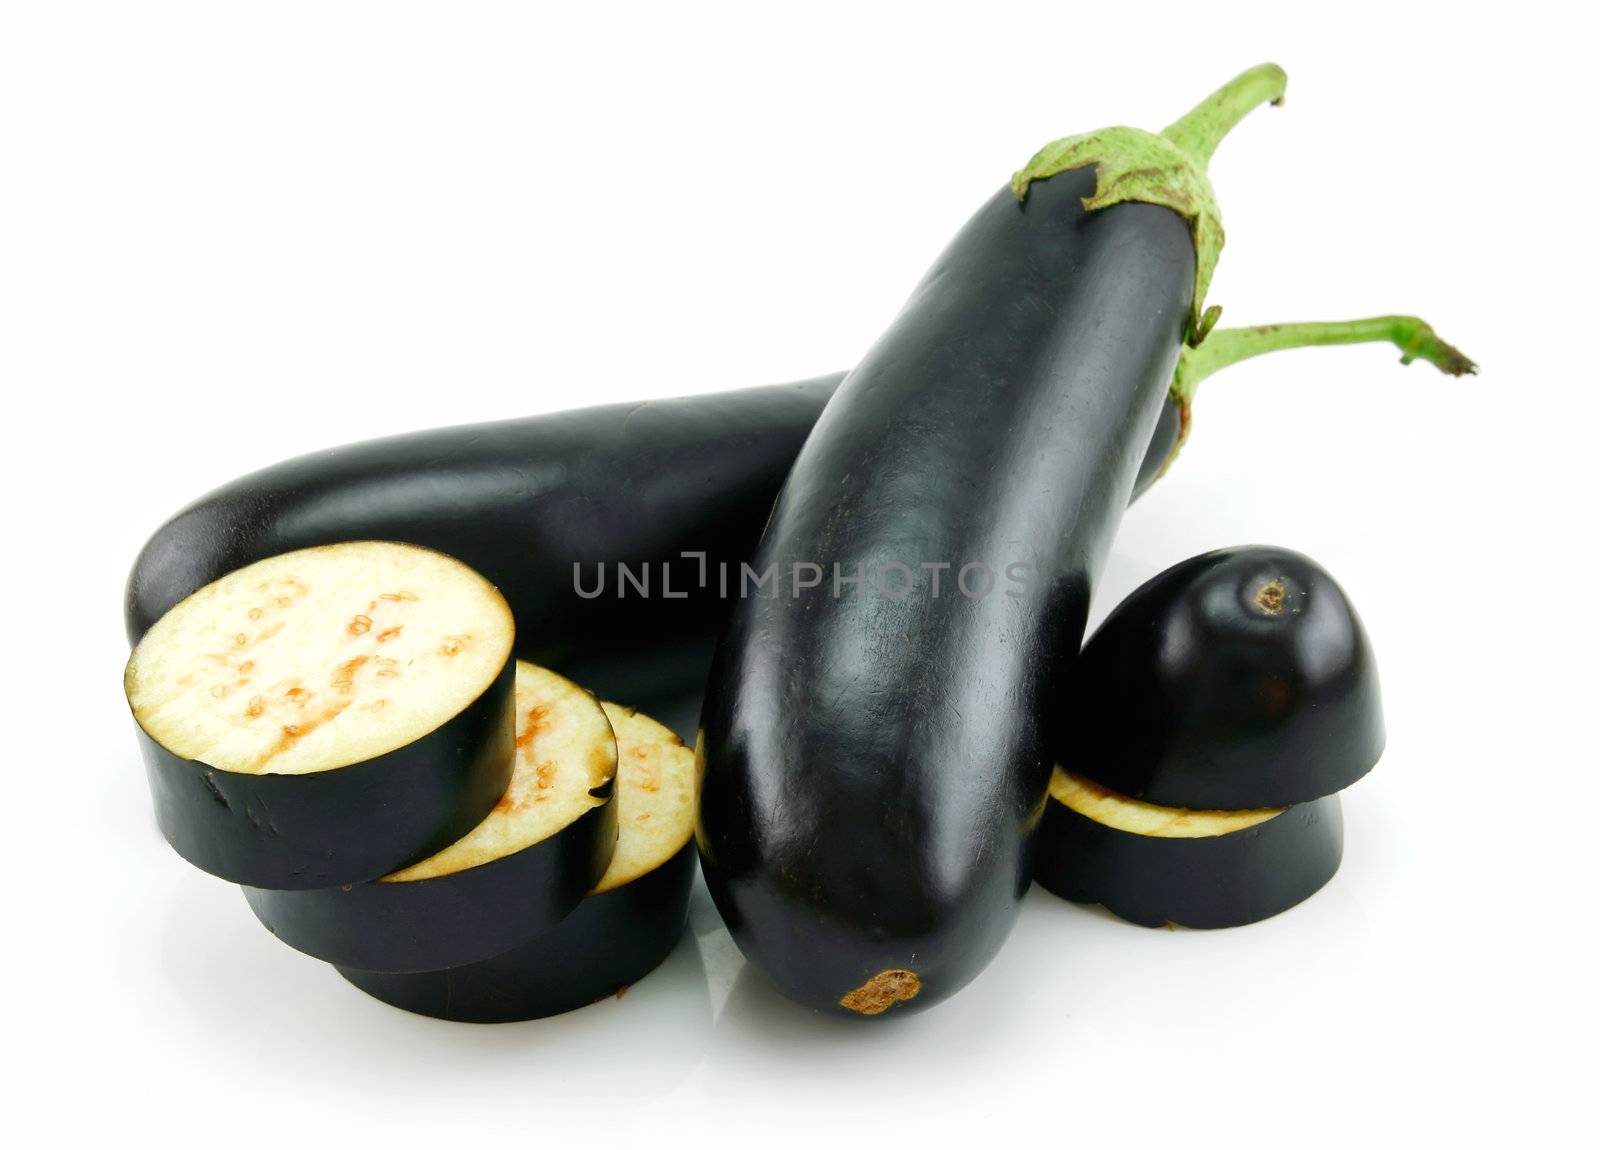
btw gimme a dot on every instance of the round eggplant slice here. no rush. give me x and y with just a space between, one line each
621 932
517 873
1235 680
326 716
1202 869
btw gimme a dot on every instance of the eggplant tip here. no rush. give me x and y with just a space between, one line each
883 990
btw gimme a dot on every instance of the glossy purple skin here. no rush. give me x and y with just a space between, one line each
607 944
1204 883
351 824
449 920
1239 679
875 764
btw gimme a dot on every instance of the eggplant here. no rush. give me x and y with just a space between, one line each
1240 678
1155 866
1206 732
326 716
623 930
874 763
603 947
518 872
546 508
550 504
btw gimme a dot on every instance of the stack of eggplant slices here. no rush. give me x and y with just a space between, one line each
872 589
344 731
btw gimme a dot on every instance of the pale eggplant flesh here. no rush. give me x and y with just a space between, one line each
326 716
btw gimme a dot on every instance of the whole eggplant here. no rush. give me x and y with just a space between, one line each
874 760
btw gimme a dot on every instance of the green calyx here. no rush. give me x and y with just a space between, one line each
1167 169
1132 164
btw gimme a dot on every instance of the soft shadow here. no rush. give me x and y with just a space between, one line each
667 685
250 999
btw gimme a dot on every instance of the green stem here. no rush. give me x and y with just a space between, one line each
1224 348
1199 132
1228 346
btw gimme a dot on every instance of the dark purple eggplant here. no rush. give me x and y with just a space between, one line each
623 930
326 716
1202 869
875 760
516 874
1238 679
607 944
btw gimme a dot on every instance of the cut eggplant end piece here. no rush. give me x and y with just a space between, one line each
518 872
1241 678
326 716
617 935
1164 865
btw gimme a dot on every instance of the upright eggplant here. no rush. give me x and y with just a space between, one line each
875 753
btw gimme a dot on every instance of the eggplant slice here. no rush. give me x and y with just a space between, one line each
517 873
622 931
328 715
1156 865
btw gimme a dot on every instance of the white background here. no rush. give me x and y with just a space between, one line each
232 233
